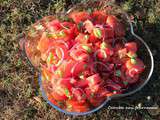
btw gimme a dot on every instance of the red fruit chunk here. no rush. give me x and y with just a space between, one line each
75 106
82 38
94 79
99 17
138 66
131 46
54 25
79 16
116 26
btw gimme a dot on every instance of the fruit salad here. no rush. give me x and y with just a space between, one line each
84 59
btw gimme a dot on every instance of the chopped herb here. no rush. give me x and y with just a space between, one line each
133 61
58 72
103 45
92 81
132 55
50 57
92 95
86 37
88 49
97 32
118 73
125 83
80 25
69 106
52 35
62 34
85 66
67 93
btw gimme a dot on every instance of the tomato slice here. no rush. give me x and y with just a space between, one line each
78 16
94 79
79 94
116 26
58 97
131 46
94 99
99 17
53 25
138 66
79 55
82 38
76 106
64 70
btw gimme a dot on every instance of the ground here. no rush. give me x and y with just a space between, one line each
19 93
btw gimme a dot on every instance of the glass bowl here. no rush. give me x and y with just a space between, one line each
28 45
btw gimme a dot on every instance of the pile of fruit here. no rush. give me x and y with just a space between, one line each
84 59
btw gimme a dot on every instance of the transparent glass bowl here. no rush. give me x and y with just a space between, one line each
144 51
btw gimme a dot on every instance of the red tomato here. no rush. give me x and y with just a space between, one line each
82 83
76 106
116 25
58 97
79 16
54 25
138 66
66 82
108 33
78 68
99 17
79 55
52 100
131 46
122 53
82 38
94 79
64 70
79 94
94 98
43 45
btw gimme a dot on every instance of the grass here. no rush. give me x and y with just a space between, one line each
19 93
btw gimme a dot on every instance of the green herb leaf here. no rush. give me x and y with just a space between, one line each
50 57
86 37
67 93
97 32
125 83
88 49
85 66
133 61
58 72
92 95
103 45
61 34
131 55
118 73
80 25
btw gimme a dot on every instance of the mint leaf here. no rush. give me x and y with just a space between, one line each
125 83
88 49
118 73
97 33
133 61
